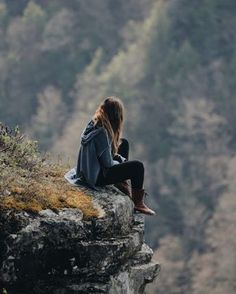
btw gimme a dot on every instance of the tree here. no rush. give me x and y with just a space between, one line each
49 118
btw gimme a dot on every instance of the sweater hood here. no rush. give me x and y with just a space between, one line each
90 132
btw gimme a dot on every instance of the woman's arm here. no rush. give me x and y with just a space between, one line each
103 148
106 159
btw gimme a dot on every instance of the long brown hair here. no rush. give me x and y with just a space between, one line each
110 115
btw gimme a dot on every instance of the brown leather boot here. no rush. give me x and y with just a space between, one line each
124 187
139 205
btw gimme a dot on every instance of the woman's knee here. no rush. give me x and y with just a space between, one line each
123 148
124 142
139 165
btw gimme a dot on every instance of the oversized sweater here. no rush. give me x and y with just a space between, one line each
94 156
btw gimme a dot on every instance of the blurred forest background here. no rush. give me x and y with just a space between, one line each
173 63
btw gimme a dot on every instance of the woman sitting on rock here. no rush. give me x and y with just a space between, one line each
103 155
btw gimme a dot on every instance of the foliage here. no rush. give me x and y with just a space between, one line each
33 13
49 118
49 43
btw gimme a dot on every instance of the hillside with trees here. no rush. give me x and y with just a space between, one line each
173 65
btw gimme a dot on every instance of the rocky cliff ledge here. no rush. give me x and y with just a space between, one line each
59 252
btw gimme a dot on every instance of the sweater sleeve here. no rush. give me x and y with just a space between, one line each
103 147
106 159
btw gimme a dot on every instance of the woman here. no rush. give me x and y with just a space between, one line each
103 155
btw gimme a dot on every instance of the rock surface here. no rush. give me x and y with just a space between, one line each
60 253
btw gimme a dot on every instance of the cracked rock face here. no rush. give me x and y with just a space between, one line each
62 253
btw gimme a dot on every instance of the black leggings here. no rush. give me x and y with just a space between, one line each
133 170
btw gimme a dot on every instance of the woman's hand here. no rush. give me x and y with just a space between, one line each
119 158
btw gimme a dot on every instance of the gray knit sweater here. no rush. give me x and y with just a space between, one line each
94 154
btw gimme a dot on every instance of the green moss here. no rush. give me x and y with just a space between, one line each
32 182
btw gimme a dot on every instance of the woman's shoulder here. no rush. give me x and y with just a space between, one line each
99 126
103 134
102 140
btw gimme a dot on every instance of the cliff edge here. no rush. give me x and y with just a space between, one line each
60 252
56 238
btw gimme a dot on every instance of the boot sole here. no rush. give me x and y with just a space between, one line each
144 212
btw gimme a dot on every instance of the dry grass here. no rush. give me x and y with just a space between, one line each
32 183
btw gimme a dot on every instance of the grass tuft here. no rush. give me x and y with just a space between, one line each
32 182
